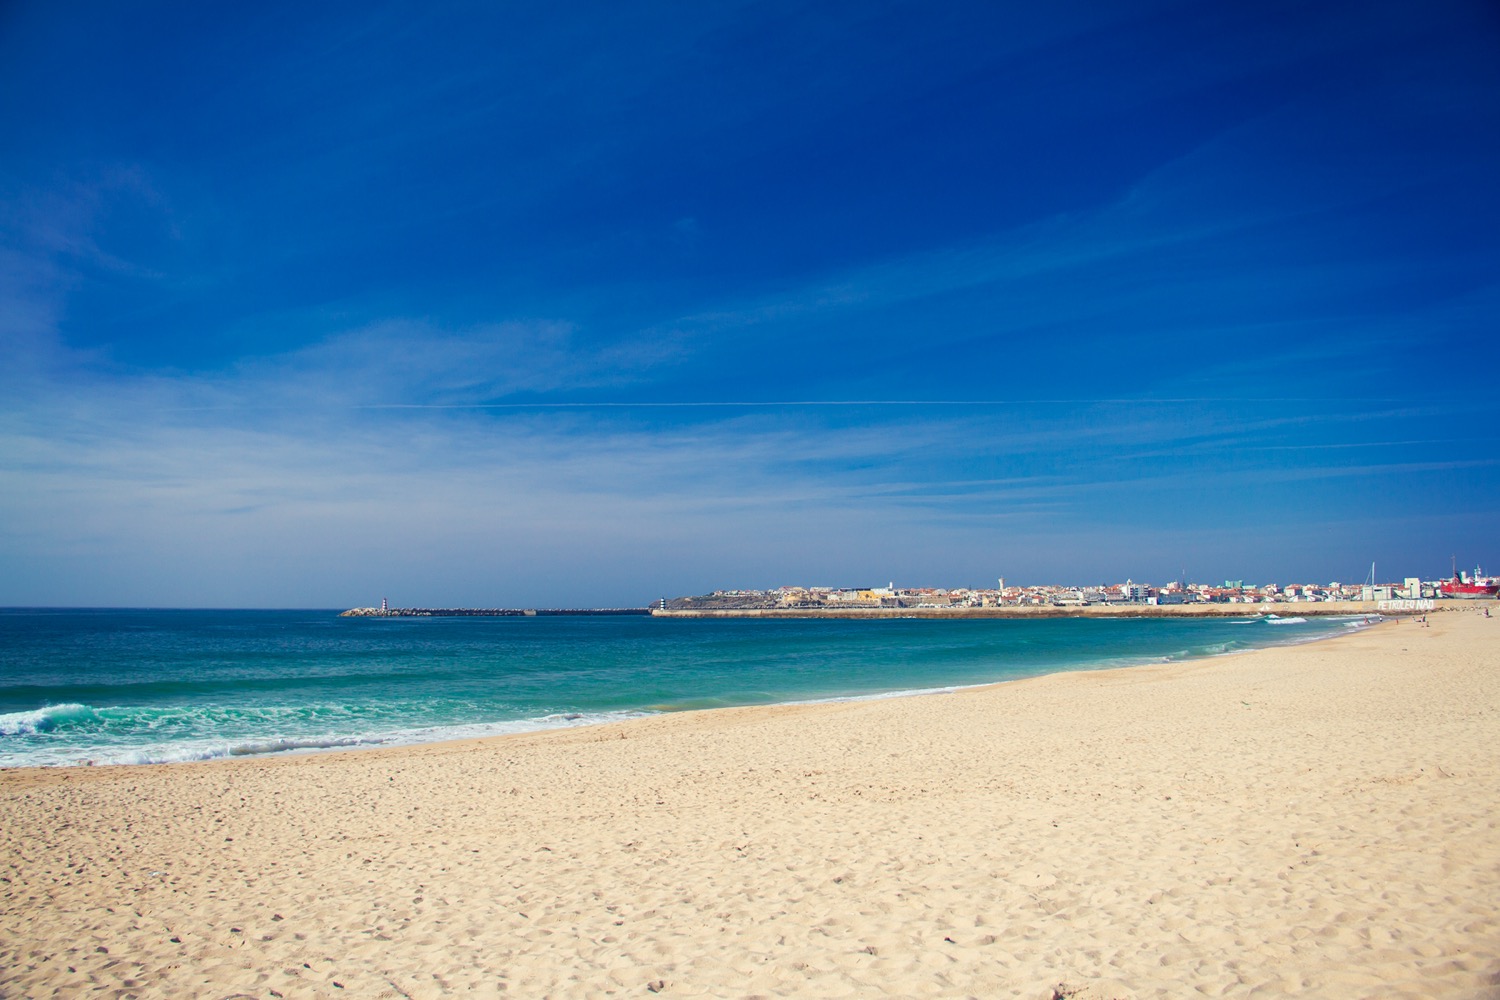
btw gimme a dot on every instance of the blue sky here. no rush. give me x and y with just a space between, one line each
503 304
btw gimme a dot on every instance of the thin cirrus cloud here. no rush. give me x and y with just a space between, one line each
496 501
414 434
401 431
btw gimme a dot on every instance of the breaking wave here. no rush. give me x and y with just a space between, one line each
45 720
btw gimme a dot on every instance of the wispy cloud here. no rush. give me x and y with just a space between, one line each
315 501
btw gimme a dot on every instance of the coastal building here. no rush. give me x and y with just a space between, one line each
1129 592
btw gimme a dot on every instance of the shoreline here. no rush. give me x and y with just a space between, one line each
1316 819
264 746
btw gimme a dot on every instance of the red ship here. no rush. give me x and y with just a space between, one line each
1469 586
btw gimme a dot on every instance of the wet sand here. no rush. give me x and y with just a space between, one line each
1320 820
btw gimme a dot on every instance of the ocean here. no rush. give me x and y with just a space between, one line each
113 686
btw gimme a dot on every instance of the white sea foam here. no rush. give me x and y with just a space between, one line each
173 753
480 730
293 743
182 751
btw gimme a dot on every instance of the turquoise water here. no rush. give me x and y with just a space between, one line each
149 686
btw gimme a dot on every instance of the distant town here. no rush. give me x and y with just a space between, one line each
1462 585
1178 599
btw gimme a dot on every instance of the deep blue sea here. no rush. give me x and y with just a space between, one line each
149 686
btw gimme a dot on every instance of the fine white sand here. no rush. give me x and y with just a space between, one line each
1317 821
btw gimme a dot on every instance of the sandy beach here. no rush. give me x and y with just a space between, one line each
1321 821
